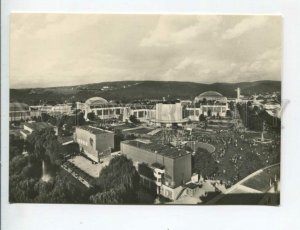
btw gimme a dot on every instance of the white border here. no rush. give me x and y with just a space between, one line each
171 217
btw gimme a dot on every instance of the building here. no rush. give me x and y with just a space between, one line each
209 104
30 127
58 109
168 114
260 187
61 109
169 168
94 142
144 113
18 111
102 109
161 114
210 96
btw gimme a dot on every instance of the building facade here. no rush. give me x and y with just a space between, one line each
170 166
94 142
18 111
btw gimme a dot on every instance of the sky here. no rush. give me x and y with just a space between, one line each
49 50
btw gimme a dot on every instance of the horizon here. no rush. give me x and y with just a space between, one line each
52 50
62 86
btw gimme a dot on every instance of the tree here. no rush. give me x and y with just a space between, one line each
204 163
202 117
228 113
80 118
44 145
118 182
133 119
61 190
91 116
45 117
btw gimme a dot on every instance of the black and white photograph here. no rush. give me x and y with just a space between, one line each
145 109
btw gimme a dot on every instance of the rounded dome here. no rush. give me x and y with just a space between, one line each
96 101
16 106
210 95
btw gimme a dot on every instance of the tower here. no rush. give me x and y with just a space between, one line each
238 93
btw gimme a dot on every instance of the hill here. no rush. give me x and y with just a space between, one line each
128 91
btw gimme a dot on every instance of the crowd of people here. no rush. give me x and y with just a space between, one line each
237 155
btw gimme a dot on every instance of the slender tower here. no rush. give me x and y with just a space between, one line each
238 94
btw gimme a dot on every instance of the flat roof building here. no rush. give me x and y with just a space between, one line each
94 142
30 127
171 166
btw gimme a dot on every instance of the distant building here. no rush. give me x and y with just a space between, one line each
210 96
94 142
162 113
62 109
30 127
162 167
209 104
142 112
37 110
101 108
167 114
18 111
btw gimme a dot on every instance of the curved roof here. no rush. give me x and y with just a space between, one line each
96 101
16 106
210 95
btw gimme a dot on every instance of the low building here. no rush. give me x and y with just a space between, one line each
94 142
30 127
208 110
170 166
168 114
18 111
58 109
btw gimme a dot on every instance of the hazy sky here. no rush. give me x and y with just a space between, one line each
69 49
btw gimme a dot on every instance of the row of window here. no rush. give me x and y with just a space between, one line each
82 142
108 112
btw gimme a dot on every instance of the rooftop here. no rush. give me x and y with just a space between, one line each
192 185
210 95
37 126
158 165
163 150
65 139
93 130
96 101
16 106
138 130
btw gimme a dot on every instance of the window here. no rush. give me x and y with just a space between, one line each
141 113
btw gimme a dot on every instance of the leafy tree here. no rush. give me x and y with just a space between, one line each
44 145
228 113
91 116
21 189
202 117
134 120
80 118
61 190
17 164
204 163
45 117
117 183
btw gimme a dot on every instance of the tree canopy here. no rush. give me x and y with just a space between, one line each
117 183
